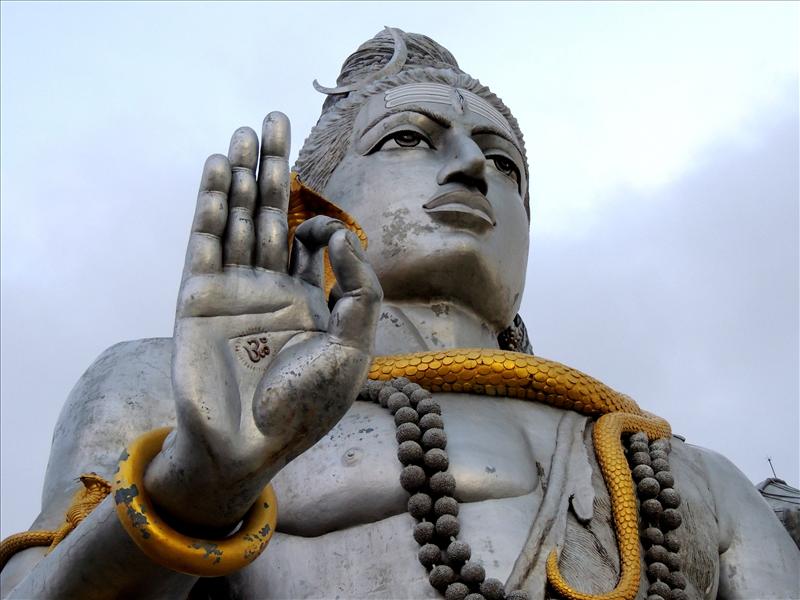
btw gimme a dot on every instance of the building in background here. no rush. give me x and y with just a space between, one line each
785 501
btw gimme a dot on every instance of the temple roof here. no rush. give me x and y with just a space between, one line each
777 492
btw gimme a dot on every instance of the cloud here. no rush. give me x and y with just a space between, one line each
686 296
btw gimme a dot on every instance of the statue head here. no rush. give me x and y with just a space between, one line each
432 166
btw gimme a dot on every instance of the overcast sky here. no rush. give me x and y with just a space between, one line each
663 140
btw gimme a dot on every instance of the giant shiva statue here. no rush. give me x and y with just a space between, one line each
350 408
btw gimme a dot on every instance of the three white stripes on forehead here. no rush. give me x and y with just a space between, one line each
438 93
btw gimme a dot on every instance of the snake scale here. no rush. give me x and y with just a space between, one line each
516 375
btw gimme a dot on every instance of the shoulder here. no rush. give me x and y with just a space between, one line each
126 380
714 468
136 358
743 515
714 477
127 390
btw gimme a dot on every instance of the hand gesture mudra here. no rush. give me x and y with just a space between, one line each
261 368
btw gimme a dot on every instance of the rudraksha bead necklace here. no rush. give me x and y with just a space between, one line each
421 450
659 516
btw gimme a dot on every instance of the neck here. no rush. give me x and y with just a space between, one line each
405 327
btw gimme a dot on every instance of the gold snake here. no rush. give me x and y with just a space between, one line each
516 375
94 489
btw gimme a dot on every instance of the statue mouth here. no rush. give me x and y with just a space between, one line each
457 198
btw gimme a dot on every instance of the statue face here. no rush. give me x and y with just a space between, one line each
435 178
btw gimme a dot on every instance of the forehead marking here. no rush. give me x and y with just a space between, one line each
438 93
458 102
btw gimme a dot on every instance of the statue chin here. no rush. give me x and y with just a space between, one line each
460 270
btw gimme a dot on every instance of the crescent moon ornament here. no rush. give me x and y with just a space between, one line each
394 66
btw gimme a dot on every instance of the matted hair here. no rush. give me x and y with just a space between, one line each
426 61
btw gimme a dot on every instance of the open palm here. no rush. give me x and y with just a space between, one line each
261 369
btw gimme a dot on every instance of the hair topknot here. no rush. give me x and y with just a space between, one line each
376 52
426 61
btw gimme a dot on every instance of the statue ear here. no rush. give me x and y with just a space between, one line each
515 337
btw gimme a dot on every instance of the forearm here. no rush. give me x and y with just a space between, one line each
99 560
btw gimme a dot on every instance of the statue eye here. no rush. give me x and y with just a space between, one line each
405 139
506 166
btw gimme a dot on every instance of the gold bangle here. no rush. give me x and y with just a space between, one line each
174 550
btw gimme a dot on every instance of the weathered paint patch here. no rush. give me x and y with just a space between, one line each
139 521
251 553
126 495
210 549
122 458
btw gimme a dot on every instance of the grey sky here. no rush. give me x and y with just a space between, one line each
664 148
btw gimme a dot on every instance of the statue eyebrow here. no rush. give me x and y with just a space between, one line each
432 115
443 121
492 130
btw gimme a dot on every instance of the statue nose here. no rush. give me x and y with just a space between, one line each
465 163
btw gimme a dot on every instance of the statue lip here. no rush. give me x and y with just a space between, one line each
456 197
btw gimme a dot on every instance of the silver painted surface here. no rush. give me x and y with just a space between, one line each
452 271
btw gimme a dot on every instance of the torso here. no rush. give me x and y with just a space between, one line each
343 529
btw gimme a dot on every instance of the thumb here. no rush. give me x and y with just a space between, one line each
305 391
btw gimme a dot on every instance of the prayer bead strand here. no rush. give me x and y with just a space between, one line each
421 450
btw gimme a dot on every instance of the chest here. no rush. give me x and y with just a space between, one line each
351 476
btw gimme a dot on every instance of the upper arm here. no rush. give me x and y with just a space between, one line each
124 393
757 556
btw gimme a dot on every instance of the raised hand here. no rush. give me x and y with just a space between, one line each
261 369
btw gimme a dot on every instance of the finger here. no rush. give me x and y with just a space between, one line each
204 254
272 232
240 233
355 315
310 239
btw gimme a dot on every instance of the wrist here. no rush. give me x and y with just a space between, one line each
192 497
187 553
